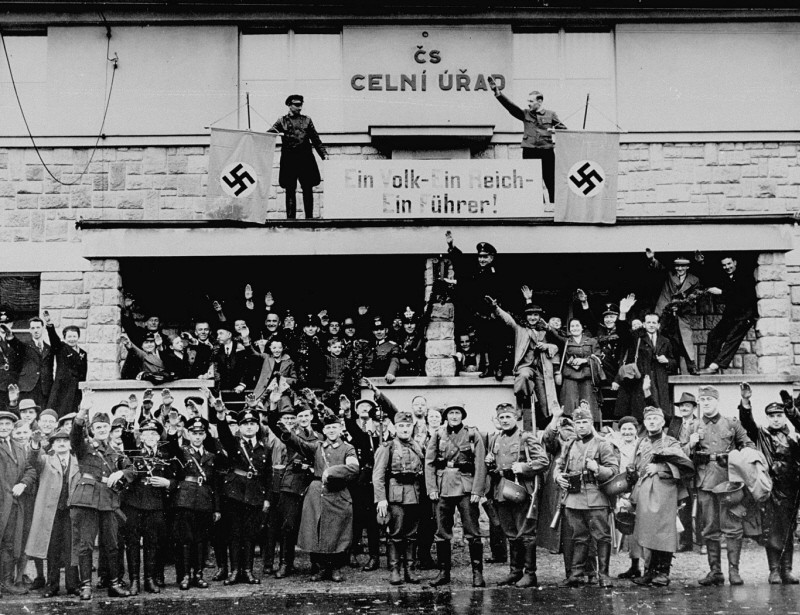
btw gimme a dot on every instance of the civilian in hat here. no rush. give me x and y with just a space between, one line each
662 466
151 325
246 491
518 457
196 500
383 358
35 362
295 481
534 348
17 476
539 124
738 293
95 500
398 481
148 354
455 477
71 367
28 411
65 422
326 530
781 449
588 508
675 303
685 422
298 137
51 528
146 503
474 284
277 370
230 363
709 444
411 349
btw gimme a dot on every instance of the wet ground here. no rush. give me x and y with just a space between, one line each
369 594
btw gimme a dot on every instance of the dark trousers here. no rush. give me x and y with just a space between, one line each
9 543
691 531
59 552
427 527
780 522
145 528
445 518
220 538
403 522
724 339
191 528
548 158
290 510
87 523
493 337
245 521
587 525
364 517
716 519
515 522
271 533
308 202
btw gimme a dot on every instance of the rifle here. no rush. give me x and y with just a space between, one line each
557 517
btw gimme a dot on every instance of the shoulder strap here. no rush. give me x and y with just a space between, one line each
636 356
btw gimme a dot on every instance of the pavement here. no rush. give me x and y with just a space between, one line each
369 594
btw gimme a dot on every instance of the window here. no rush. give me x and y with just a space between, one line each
19 299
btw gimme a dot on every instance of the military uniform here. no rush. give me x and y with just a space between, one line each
195 500
719 435
246 488
294 481
145 509
781 448
382 359
517 519
397 479
587 508
94 505
455 470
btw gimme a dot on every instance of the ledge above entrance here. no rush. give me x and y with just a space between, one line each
124 239
430 137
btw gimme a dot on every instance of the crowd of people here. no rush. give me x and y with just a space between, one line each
155 484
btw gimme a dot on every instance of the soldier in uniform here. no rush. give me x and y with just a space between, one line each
587 462
146 504
455 477
196 502
473 287
517 456
247 488
781 448
712 439
661 464
383 359
397 483
326 530
95 501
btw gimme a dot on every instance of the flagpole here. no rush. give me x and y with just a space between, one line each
585 110
248 111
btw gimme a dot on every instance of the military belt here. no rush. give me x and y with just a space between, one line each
194 479
245 473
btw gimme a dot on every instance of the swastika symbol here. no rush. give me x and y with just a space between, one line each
238 179
586 178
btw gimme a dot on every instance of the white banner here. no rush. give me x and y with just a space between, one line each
239 174
444 189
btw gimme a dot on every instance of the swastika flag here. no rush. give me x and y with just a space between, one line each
586 177
239 174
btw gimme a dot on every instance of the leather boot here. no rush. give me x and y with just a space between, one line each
372 564
249 557
221 574
786 565
529 578
408 557
603 560
580 551
734 552
291 205
116 590
186 567
199 568
287 559
308 202
8 563
715 576
774 563
476 559
150 586
86 590
444 556
633 572
85 576
516 558
394 564
53 579
661 579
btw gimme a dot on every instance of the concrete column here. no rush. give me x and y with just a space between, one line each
440 345
104 319
773 342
